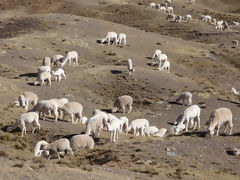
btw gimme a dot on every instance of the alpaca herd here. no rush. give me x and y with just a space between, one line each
101 120
44 73
166 7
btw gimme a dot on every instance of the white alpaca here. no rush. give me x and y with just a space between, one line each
25 99
159 59
188 18
178 19
72 55
58 73
162 9
152 130
42 77
152 5
165 66
56 58
121 102
185 96
46 107
130 66
57 147
189 115
169 10
123 122
74 109
122 37
221 116
171 17
26 118
114 127
139 125
37 151
156 54
109 36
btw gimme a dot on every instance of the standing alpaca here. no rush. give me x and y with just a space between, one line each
219 117
121 102
130 66
185 96
121 37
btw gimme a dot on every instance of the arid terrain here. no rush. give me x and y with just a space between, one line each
203 62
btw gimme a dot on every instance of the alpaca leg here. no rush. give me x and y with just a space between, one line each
33 130
142 132
72 116
225 129
64 75
23 129
117 134
129 108
114 136
111 135
58 155
26 106
187 125
218 129
76 61
55 113
49 81
199 125
123 108
230 132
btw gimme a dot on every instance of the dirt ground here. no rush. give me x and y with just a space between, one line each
203 62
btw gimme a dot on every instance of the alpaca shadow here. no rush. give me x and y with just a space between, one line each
201 134
150 64
225 100
171 123
69 136
236 134
28 75
174 102
31 84
107 110
230 153
150 58
18 129
48 119
116 72
99 42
